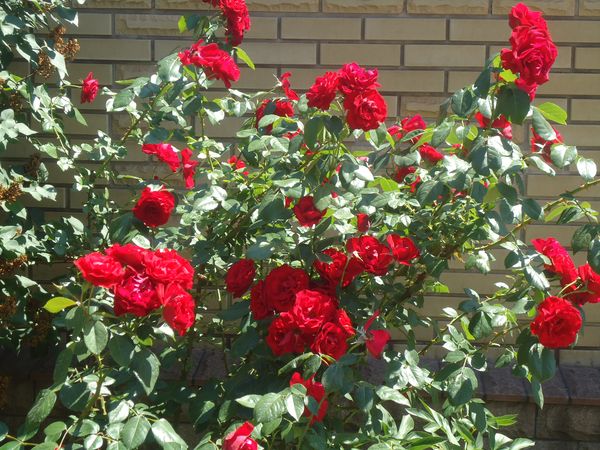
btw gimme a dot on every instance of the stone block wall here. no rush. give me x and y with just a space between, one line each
424 49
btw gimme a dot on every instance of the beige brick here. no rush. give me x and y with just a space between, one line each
163 48
476 30
583 135
411 81
92 24
181 4
226 129
94 122
549 187
303 77
147 24
115 49
574 31
444 55
50 271
562 233
397 29
392 105
571 84
447 6
484 284
253 5
363 6
427 106
60 202
549 7
585 109
563 60
589 7
587 358
587 58
262 79
263 28
129 71
281 53
364 54
320 28
459 79
128 4
102 72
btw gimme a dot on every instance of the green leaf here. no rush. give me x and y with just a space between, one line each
135 431
312 128
553 112
182 24
166 436
169 68
121 349
461 386
386 393
249 401
594 255
441 132
3 431
95 336
583 237
586 168
123 98
42 407
563 155
120 412
295 405
61 367
533 209
74 396
541 362
463 102
542 127
244 57
429 191
480 325
57 304
270 407
514 104
146 368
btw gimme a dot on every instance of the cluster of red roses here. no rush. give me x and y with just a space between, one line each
533 53
143 280
216 63
237 18
558 321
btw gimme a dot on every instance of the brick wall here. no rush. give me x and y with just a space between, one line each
425 49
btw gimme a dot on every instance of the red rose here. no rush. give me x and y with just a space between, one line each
154 207
89 89
258 302
407 125
167 266
561 263
430 154
365 110
331 341
136 295
344 322
539 145
237 18
284 336
375 256
557 323
532 54
501 123
129 255
315 390
403 172
312 309
285 85
282 108
216 63
323 91
100 270
189 167
240 276
238 164
339 267
403 248
591 285
281 286
521 15
362 222
354 79
307 213
239 439
179 310
164 152
376 339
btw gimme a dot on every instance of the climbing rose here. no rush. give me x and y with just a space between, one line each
179 310
189 167
557 323
331 341
403 248
521 15
167 266
315 390
541 146
307 213
561 263
129 255
344 322
282 108
407 125
312 309
100 270
137 295
89 89
590 283
375 256
281 286
217 63
339 266
365 110
154 207
353 79
239 439
164 152
285 85
258 302
237 18
323 91
376 340
430 154
501 123
284 336
362 222
240 276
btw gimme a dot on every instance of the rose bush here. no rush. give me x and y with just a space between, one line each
321 232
